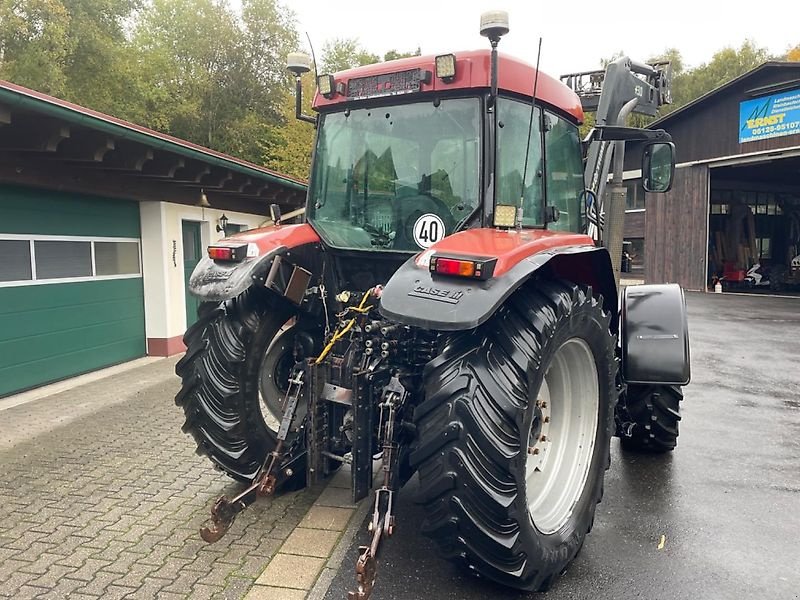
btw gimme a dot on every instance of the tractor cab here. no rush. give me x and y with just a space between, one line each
412 151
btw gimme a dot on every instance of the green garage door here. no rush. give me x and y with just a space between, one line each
71 296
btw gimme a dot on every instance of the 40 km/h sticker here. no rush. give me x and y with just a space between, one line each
428 230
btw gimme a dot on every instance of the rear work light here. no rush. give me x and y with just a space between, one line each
446 67
228 253
473 268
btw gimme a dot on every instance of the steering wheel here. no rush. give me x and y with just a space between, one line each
408 210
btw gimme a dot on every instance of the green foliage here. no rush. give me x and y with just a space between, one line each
288 150
345 53
35 43
212 71
394 54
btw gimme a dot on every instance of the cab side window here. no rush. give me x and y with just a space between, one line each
564 172
514 120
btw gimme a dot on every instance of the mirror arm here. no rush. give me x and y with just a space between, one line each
611 133
298 103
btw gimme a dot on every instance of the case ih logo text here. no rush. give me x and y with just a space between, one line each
441 294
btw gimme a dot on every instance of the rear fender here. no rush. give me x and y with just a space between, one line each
655 335
415 296
275 259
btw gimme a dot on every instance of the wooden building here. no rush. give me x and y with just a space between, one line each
101 222
735 201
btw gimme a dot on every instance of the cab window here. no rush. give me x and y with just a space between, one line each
564 172
513 122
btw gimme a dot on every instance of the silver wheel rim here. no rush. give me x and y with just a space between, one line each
562 436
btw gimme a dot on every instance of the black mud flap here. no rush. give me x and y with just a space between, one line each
655 335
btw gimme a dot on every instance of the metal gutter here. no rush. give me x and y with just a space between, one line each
21 97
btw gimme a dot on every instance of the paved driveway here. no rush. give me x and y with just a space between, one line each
102 497
727 501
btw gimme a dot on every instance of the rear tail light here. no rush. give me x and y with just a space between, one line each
227 253
473 268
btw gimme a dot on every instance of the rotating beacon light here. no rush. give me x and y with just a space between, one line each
494 25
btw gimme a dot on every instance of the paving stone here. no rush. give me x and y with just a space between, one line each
89 569
327 517
310 542
263 592
27 592
336 497
41 564
64 588
107 502
235 588
53 575
291 571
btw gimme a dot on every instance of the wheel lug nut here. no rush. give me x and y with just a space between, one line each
543 438
532 450
544 404
547 419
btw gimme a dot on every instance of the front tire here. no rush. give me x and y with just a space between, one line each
515 516
221 376
647 417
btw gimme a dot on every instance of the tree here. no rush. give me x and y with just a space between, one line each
100 65
288 149
34 43
793 54
394 54
345 53
725 65
213 78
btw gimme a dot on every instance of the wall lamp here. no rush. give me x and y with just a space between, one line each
222 224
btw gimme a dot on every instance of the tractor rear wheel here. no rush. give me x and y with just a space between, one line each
647 417
514 433
234 373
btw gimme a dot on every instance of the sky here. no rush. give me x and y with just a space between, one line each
574 40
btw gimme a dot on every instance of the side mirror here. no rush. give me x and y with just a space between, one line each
658 166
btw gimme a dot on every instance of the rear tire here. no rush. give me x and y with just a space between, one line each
220 372
482 418
647 417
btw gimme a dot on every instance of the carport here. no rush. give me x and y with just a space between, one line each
735 204
754 223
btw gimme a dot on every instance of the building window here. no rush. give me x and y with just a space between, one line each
16 263
634 197
60 259
116 258
33 260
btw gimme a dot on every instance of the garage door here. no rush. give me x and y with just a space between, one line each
71 295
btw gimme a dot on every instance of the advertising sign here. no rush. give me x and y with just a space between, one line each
769 117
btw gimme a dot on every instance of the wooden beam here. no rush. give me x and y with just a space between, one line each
127 157
192 173
215 180
85 146
40 135
163 166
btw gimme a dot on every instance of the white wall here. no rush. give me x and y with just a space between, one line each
162 259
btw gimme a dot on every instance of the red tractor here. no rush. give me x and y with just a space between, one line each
442 307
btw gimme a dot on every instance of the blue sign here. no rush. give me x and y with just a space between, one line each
769 117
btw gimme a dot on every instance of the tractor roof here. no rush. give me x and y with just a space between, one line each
473 70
